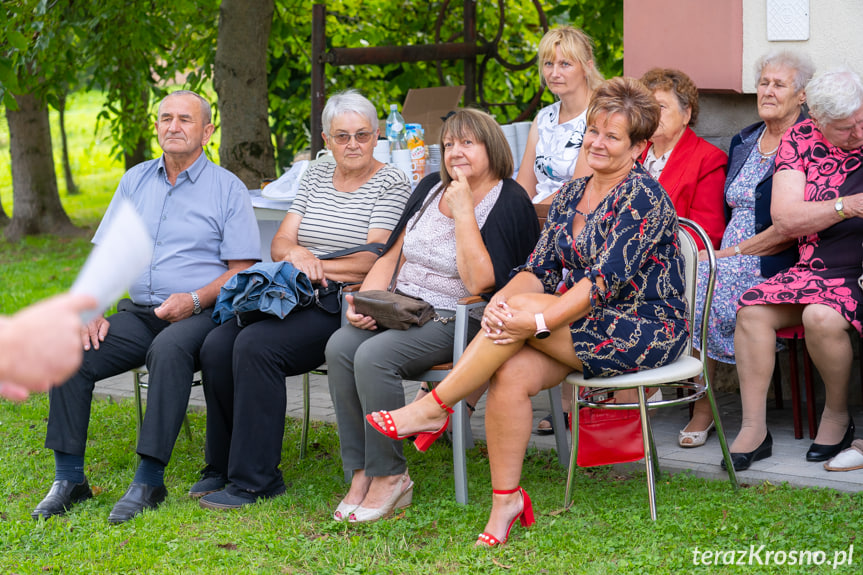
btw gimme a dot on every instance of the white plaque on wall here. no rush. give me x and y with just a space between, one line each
787 20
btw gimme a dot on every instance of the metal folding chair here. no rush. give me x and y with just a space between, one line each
680 374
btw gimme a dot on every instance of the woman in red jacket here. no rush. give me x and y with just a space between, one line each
690 169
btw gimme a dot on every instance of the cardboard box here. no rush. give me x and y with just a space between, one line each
426 106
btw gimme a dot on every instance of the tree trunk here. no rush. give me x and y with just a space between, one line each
132 110
138 155
37 207
4 219
240 79
71 188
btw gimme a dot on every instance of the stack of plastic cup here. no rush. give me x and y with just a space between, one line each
433 162
522 130
402 160
509 132
382 151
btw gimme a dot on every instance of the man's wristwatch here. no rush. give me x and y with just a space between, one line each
838 206
542 331
195 301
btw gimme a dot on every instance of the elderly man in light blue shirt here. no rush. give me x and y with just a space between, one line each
204 231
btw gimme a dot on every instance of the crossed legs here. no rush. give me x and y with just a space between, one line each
517 372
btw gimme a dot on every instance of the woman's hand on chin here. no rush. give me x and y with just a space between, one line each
458 195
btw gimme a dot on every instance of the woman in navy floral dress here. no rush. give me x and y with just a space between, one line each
616 232
817 197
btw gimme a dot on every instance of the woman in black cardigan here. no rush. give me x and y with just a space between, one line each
462 233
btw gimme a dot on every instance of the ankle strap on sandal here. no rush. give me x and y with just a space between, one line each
444 406
506 491
471 408
424 389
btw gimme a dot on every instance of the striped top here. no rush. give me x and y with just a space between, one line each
334 220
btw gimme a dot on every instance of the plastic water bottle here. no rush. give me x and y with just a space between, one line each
396 133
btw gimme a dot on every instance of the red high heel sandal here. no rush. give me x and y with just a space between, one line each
423 440
526 516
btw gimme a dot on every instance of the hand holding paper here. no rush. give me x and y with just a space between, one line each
123 254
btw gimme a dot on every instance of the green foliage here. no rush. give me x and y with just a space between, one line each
355 23
131 50
603 22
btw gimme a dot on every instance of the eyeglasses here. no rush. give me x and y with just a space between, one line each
343 138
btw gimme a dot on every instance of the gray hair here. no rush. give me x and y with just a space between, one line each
206 111
834 95
348 101
801 64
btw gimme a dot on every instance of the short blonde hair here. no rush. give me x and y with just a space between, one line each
631 99
482 128
574 45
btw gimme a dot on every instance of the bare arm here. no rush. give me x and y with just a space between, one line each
506 324
349 269
793 217
179 306
378 278
765 243
526 176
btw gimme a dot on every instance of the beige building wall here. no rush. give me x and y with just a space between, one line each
835 35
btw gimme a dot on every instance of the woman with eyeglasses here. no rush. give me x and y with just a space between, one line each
339 205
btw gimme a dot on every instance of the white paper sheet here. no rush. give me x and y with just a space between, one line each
124 253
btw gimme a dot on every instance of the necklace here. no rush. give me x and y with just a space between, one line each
587 194
768 155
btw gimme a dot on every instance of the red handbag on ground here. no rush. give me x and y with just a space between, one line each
607 436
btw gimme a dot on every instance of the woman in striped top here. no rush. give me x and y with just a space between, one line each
347 203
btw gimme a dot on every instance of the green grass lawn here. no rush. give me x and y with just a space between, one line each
607 530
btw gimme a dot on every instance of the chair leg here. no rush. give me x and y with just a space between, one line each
573 453
187 427
720 433
460 421
810 393
795 388
304 435
649 455
777 384
138 405
557 413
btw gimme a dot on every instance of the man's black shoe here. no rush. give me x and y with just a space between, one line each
210 482
62 495
137 498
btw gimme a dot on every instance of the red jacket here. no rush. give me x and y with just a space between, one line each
694 178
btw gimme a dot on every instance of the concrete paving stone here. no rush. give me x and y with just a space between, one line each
786 465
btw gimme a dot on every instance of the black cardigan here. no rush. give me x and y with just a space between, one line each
510 231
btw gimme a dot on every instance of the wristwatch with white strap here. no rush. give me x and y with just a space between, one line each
542 331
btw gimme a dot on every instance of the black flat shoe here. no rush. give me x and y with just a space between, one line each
137 498
550 429
62 495
742 461
819 452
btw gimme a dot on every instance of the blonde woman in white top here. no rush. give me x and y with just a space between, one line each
552 150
